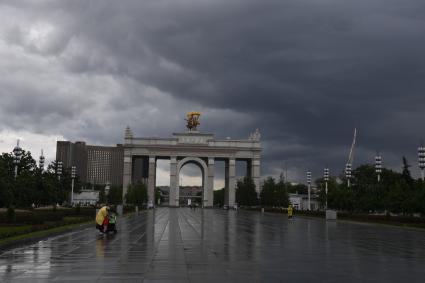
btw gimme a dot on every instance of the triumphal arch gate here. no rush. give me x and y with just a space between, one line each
202 149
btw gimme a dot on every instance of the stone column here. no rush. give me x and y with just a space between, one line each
229 195
209 186
174 183
151 179
127 170
256 174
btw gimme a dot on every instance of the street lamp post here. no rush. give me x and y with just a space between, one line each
59 169
421 160
348 173
41 161
326 178
73 172
17 151
378 166
309 189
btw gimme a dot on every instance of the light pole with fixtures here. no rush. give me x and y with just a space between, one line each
378 166
348 173
73 173
17 151
309 189
326 178
59 169
41 161
421 160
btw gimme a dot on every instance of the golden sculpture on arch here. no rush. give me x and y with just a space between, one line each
192 119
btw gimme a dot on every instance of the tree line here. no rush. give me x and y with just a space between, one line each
34 185
396 192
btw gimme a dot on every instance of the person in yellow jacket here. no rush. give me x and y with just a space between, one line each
290 211
101 216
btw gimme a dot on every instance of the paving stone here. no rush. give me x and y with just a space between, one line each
182 245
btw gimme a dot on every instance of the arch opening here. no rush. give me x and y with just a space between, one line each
194 171
190 185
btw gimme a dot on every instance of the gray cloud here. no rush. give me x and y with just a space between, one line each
304 72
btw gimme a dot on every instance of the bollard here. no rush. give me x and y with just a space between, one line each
136 208
331 214
262 210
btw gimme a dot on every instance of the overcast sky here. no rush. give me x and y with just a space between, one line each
305 72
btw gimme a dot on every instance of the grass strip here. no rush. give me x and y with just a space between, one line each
31 237
38 235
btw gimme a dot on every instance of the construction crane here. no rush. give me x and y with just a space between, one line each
351 155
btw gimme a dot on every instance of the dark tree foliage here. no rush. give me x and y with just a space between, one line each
219 197
31 184
137 194
274 194
102 196
115 195
245 192
297 189
396 192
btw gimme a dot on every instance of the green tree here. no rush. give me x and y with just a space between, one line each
245 192
282 198
115 195
219 197
297 189
268 192
102 196
137 194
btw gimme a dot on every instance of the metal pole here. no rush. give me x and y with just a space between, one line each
309 206
379 178
309 189
72 191
348 182
326 192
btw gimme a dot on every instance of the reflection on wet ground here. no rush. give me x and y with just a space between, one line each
181 245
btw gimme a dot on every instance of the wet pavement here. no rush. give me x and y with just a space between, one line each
182 245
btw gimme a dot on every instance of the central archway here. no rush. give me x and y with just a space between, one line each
204 169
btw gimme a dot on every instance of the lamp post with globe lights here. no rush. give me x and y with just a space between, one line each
421 160
73 173
309 189
378 166
59 169
326 178
17 151
348 173
41 161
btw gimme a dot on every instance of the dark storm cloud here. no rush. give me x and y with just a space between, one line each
305 72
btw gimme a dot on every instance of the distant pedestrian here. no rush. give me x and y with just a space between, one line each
290 211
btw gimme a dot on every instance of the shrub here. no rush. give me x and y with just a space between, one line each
11 215
78 209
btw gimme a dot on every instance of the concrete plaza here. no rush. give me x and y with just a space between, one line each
182 245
